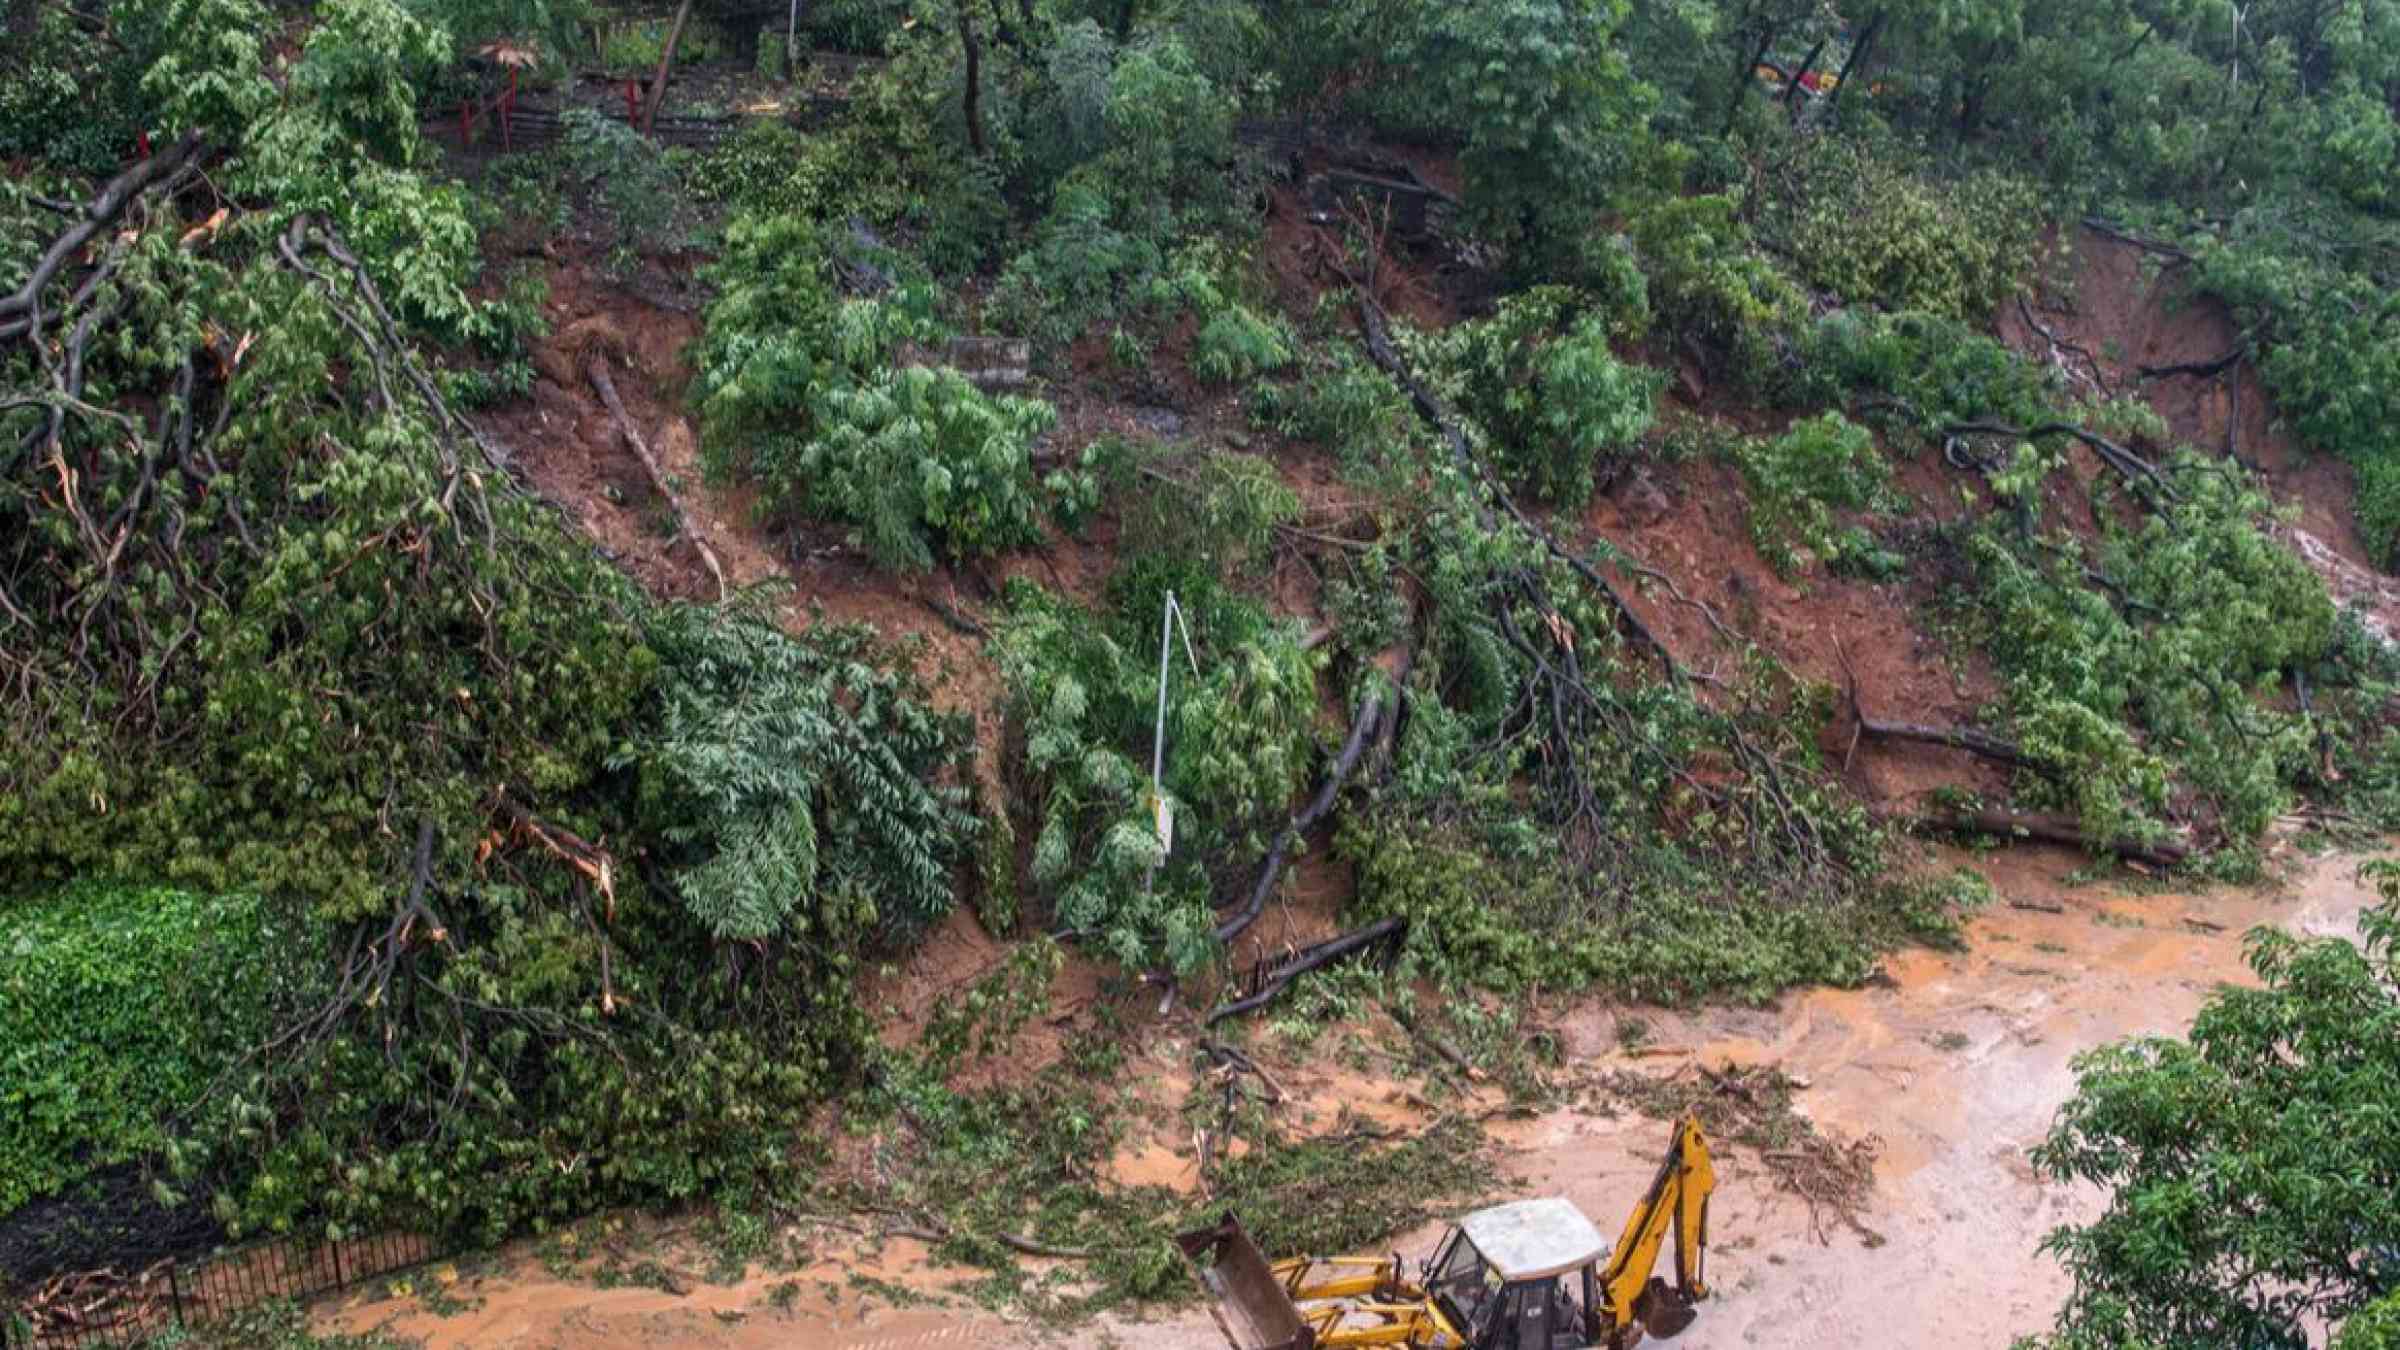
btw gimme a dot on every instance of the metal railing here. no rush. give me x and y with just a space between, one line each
205 1292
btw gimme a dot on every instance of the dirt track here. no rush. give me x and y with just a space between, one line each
1955 1064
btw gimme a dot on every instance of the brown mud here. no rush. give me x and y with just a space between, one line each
1952 1063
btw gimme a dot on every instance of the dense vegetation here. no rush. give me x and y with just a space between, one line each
2253 1167
528 891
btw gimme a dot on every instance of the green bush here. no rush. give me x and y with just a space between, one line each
797 392
1800 479
120 1007
1082 695
1345 404
2332 360
1709 284
1483 919
797 782
1870 229
1539 378
2206 616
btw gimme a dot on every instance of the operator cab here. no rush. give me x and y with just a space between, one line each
1520 1276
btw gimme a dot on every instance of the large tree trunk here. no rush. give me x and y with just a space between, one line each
1743 74
974 94
2050 830
666 62
1859 52
1793 90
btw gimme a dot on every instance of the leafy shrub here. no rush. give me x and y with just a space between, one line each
1707 282
1217 509
637 190
2277 1091
1345 404
1540 379
1481 918
1082 698
633 48
1798 480
119 1007
919 455
2332 360
1237 343
797 392
1128 171
796 779
2207 610
1867 228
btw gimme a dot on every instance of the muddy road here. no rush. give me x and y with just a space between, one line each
1954 1063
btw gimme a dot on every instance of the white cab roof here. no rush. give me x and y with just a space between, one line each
1531 1239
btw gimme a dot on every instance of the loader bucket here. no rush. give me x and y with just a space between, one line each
1251 1305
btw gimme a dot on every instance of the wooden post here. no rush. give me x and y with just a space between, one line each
666 62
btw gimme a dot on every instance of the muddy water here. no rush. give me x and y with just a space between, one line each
1955 1063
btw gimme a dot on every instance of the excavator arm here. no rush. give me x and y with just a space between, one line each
1677 1200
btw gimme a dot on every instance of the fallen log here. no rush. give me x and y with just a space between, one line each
1438 1045
2128 464
1322 954
2049 829
1371 711
2198 370
595 369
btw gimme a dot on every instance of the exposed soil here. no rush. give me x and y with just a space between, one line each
1953 1063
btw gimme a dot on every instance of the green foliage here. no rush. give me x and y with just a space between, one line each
1539 378
1798 480
1131 149
2333 363
1708 284
634 48
797 392
119 1005
921 455
1345 404
796 781
1082 699
1217 509
2160 681
1550 107
2251 1166
622 171
1679 930
66 100
1868 229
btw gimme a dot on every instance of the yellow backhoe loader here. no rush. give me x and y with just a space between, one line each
1532 1275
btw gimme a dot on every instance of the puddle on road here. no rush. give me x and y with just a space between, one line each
1955 1062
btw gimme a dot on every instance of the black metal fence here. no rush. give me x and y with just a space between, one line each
72 1312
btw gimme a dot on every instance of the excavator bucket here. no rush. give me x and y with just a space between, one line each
1249 1302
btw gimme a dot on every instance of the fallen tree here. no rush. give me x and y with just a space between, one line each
595 368
2048 829
1275 982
